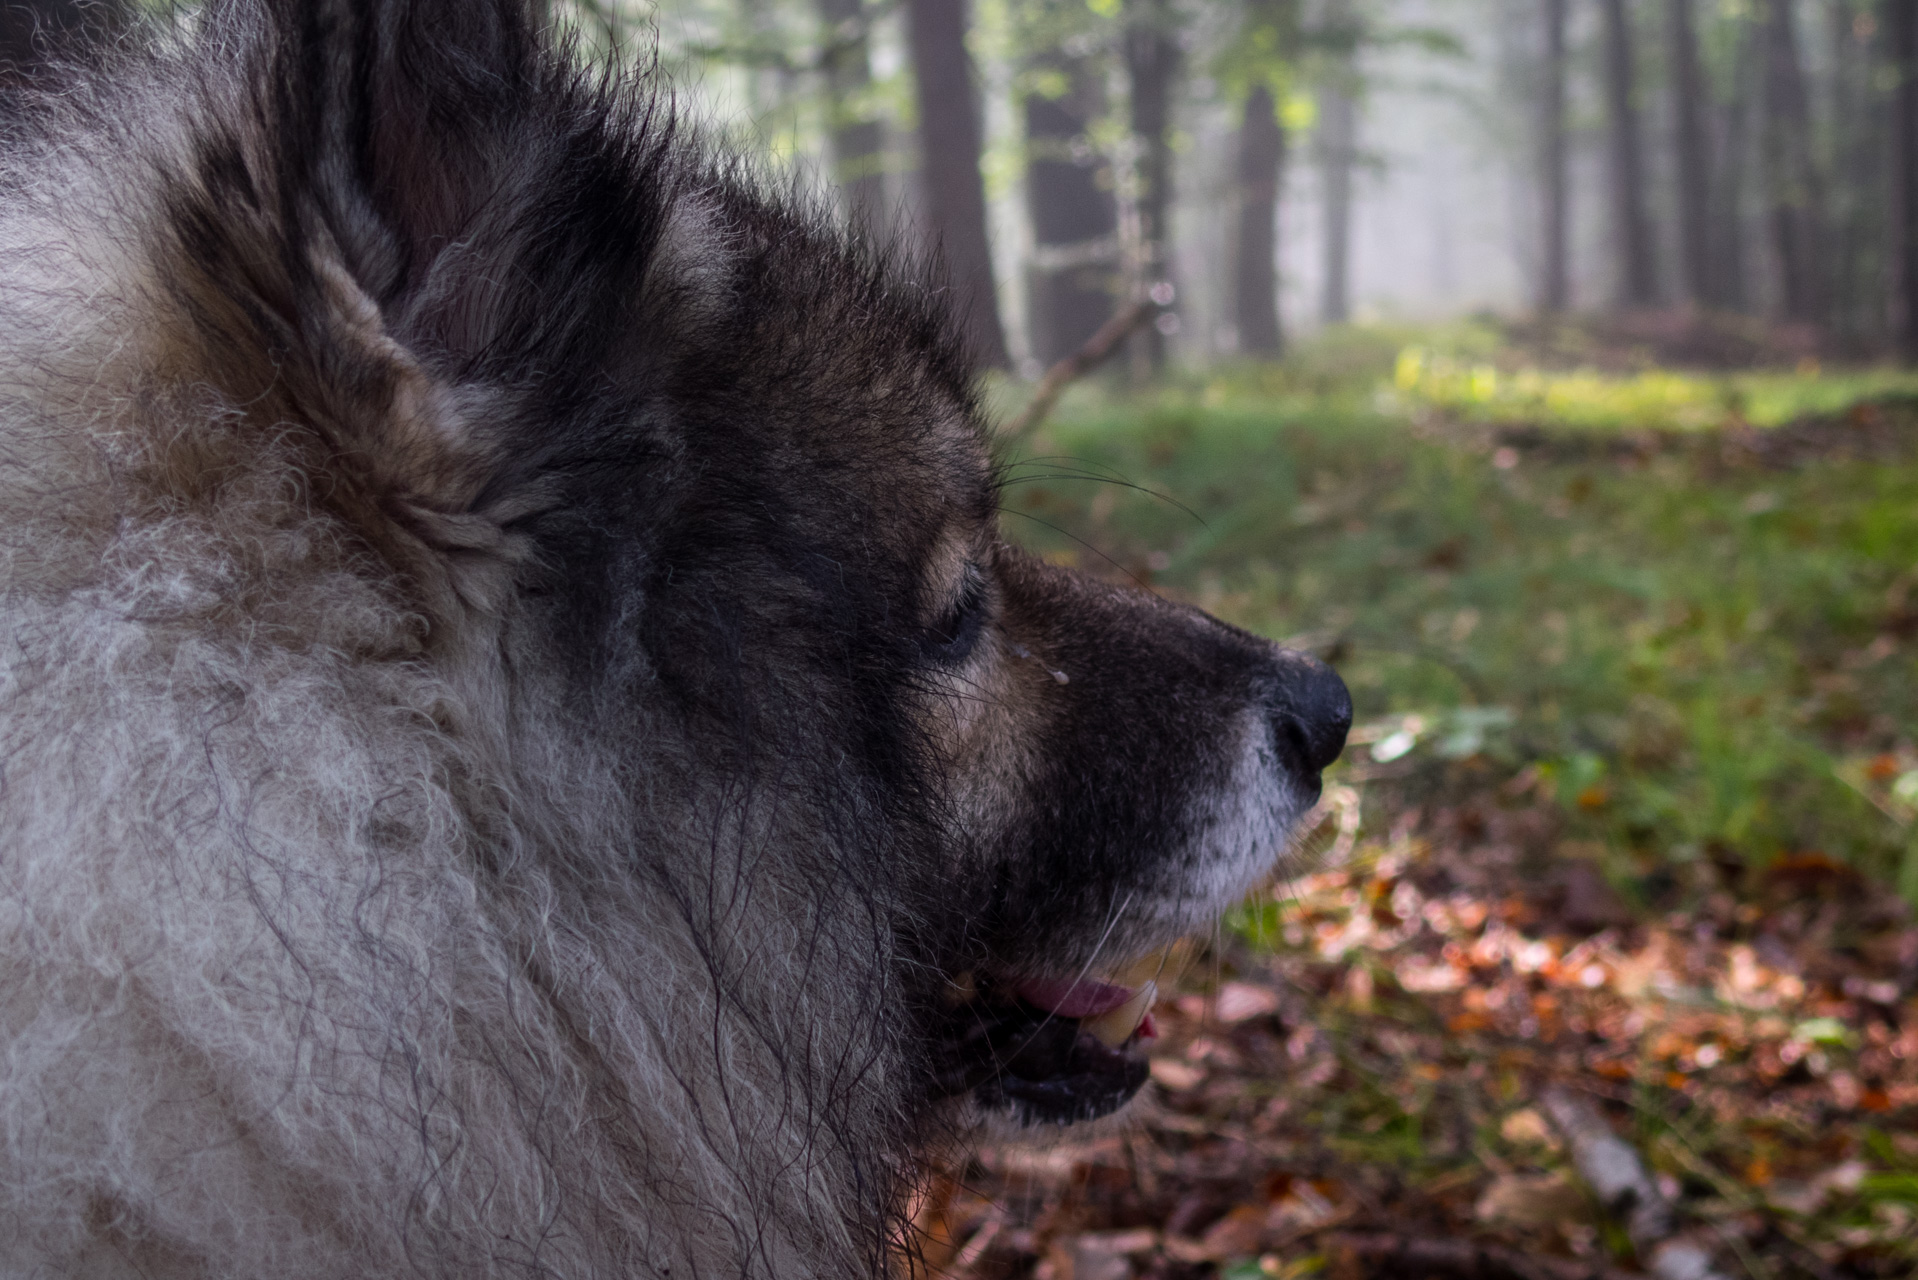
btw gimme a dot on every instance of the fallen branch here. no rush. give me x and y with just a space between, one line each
1612 1169
1463 1259
1077 365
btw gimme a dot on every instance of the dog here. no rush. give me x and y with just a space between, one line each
523 751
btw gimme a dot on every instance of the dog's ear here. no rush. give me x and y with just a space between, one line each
392 112
347 244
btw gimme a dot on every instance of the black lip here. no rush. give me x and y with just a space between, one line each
1043 1068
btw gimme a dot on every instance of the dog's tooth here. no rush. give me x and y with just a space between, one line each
1115 1027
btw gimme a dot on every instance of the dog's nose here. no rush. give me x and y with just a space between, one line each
1311 712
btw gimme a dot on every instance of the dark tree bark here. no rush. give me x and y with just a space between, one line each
1554 277
1152 65
950 143
1901 37
1631 228
1261 175
1338 147
1791 175
1075 219
1732 176
1691 154
32 31
1858 264
857 139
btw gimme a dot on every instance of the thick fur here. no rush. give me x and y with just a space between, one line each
513 706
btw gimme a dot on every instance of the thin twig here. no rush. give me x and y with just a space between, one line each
1077 365
1619 1179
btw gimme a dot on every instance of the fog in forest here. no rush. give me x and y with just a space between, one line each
1731 156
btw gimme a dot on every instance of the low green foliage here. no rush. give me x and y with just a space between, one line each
1697 658
1479 390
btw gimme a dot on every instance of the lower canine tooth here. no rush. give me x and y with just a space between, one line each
1114 1027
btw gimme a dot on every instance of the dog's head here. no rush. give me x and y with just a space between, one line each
668 523
599 402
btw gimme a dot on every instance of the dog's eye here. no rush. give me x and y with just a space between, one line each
952 637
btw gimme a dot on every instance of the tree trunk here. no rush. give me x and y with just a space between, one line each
1790 173
857 139
1152 65
1075 219
1856 207
1730 273
950 145
1692 155
1554 276
1338 144
1261 174
1901 32
1631 230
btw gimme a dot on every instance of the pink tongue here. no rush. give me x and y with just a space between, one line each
1073 997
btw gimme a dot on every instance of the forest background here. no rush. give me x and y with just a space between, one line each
1546 365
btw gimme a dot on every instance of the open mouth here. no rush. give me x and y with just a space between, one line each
1048 1050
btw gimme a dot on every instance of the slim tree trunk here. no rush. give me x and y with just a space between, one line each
1338 144
1554 278
1791 174
1901 37
1075 219
857 139
1261 174
1631 229
950 145
1856 210
1152 64
1732 176
1691 154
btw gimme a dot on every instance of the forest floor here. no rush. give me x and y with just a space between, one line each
1596 963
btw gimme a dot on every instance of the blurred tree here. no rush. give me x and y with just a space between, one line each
1152 66
1257 67
950 148
1261 176
1791 173
1554 277
1071 201
1691 153
1901 37
1858 120
1631 228
1340 32
856 136
1735 110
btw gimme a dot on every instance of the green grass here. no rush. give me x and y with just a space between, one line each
1697 660
1480 390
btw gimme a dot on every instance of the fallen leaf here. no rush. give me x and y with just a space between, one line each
1532 1200
1527 1127
1239 1232
1241 1002
1174 1075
